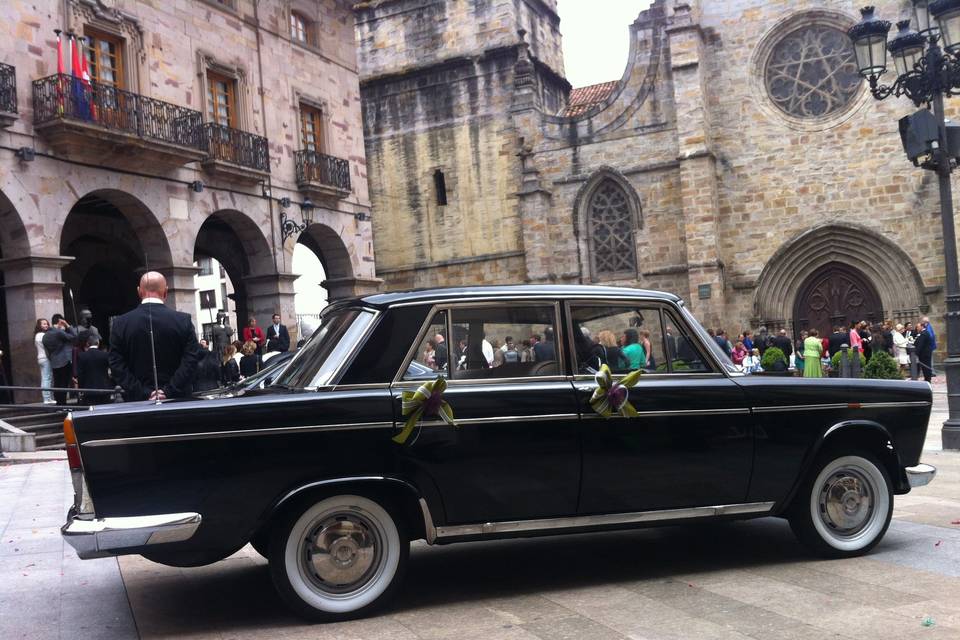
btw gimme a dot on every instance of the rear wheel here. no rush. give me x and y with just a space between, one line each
338 558
844 507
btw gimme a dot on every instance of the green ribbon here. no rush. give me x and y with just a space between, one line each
425 401
612 398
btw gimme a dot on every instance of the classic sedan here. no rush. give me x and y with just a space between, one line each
474 413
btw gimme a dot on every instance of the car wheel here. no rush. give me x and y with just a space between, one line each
844 507
338 558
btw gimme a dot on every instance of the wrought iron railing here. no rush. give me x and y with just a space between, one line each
327 170
64 97
235 146
8 88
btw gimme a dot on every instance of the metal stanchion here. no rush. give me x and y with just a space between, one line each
914 362
844 361
855 363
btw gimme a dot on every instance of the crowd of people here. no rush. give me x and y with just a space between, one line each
75 357
489 352
811 355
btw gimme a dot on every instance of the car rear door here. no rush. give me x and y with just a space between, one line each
514 453
690 444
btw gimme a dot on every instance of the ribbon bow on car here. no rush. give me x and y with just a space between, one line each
613 398
425 401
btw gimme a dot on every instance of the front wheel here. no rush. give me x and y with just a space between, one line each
844 508
338 558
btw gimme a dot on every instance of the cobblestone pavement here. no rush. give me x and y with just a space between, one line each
731 580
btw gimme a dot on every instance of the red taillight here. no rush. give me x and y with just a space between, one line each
73 449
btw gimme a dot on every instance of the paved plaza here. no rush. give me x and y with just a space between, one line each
716 581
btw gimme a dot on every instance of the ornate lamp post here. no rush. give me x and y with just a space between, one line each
926 72
288 226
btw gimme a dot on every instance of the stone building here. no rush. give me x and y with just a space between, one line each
206 125
739 161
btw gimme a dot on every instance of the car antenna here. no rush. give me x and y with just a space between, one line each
153 356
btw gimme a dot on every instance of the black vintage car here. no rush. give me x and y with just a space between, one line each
474 413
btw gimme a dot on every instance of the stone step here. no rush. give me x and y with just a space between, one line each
48 441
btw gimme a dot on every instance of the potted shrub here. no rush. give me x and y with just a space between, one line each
835 362
882 366
775 363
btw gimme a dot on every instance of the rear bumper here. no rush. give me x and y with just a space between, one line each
104 537
920 475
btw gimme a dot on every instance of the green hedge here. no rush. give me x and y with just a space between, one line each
882 366
771 356
835 360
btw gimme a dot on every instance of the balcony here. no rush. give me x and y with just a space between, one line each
107 125
8 95
235 155
322 176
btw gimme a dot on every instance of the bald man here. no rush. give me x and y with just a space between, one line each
175 346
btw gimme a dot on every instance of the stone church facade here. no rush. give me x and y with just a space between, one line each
739 161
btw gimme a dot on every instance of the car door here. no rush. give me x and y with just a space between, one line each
514 453
691 442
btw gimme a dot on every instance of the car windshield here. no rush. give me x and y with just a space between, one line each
270 370
329 346
709 342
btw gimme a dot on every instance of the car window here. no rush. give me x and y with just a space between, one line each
630 337
684 350
333 341
431 356
504 341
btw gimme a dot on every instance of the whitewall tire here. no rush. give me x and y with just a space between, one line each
338 558
845 506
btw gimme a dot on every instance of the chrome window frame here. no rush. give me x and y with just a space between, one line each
679 319
449 307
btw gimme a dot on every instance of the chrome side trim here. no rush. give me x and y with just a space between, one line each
920 475
496 419
114 536
801 407
841 405
679 412
469 382
582 522
241 433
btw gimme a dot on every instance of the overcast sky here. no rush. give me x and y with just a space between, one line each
596 38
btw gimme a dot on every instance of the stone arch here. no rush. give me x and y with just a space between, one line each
14 244
237 243
112 238
582 219
335 257
889 269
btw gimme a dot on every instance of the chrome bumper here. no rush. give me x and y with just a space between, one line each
117 536
920 475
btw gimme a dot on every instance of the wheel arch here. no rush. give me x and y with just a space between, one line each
849 435
401 496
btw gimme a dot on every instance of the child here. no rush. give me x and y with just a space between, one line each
751 364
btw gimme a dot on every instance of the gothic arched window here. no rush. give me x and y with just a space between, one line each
610 222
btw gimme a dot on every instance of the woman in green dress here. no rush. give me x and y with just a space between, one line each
633 350
812 352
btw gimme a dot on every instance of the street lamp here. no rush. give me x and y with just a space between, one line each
925 74
306 210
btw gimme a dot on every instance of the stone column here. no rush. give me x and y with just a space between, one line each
269 294
33 288
182 292
698 172
338 288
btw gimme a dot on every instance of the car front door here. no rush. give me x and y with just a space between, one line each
514 452
690 444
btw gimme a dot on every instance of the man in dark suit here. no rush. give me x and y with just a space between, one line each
278 338
93 372
924 346
837 339
175 346
783 343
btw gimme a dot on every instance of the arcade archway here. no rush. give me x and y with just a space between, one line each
113 238
328 246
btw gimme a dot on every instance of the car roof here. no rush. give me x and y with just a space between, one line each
454 294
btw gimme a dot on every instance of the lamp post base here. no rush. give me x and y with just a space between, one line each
950 435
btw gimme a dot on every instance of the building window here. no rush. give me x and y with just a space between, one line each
206 266
221 99
440 184
812 72
610 224
105 59
299 28
310 127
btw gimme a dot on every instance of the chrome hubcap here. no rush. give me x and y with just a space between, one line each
341 552
846 502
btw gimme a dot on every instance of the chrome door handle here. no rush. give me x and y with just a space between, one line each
586 389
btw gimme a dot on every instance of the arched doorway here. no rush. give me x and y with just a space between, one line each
309 294
328 246
835 295
234 241
113 238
